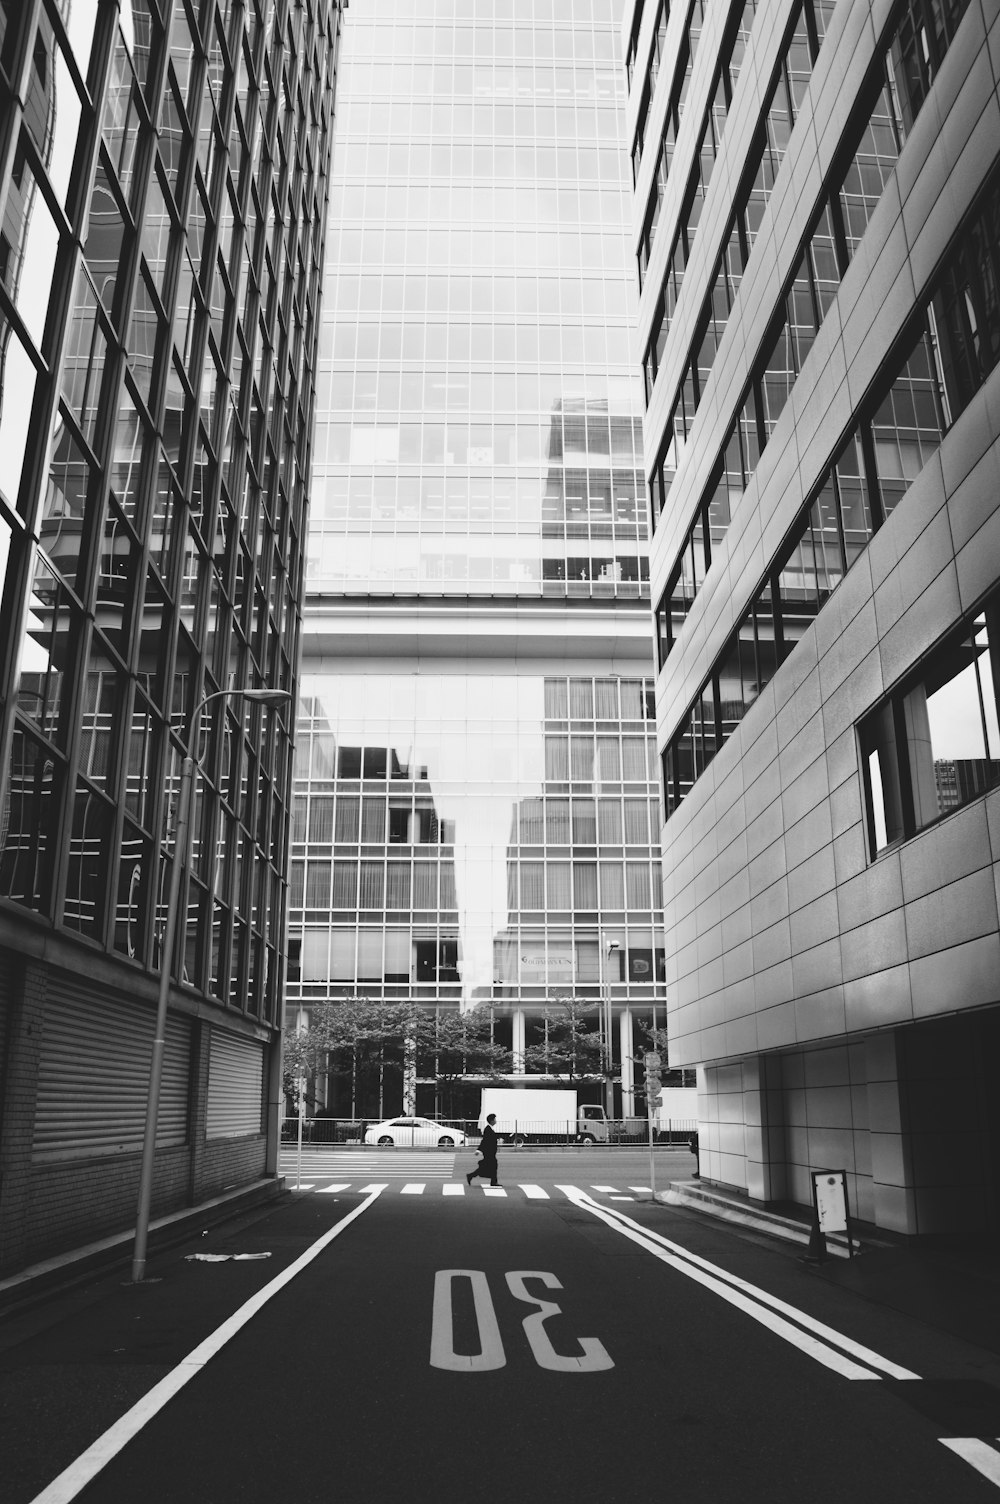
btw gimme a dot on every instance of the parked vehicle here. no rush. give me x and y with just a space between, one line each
533 1115
677 1112
419 1133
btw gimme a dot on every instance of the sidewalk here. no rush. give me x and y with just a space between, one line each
64 1269
954 1288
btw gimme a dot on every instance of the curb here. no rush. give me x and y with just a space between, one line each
76 1264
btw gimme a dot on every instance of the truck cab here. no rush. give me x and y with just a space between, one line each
591 1124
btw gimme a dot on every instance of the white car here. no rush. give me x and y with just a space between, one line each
420 1133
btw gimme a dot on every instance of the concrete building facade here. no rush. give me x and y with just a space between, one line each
816 229
163 209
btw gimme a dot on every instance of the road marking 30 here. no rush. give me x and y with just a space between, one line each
829 1347
443 1355
592 1358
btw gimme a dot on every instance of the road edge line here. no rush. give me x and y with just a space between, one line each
810 1346
74 1478
809 1323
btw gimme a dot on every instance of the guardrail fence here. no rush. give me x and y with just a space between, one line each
346 1132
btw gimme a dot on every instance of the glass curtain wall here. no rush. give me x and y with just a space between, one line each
161 245
479 829
477 428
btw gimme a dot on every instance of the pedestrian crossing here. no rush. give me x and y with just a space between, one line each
382 1164
451 1188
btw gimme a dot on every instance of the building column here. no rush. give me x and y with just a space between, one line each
201 1041
517 1041
764 1129
275 1105
410 1077
892 1170
23 1017
625 1041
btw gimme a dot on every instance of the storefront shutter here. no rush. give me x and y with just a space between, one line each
235 1086
6 1012
93 1075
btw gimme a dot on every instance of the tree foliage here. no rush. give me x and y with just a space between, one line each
572 1045
457 1045
360 1039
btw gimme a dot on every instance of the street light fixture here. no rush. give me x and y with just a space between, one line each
255 697
609 1083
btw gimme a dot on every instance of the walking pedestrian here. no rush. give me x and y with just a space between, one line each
488 1154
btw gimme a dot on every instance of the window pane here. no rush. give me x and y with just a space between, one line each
951 725
882 779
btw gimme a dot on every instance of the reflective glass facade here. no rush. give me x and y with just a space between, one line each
477 407
154 426
163 207
476 798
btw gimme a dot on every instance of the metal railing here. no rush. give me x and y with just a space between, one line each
632 1132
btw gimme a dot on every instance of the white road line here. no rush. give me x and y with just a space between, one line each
374 1188
303 1185
623 1198
328 1190
647 1188
413 1190
453 1190
494 1190
73 1479
534 1192
810 1336
604 1188
978 1454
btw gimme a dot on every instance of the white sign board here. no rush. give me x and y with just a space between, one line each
830 1193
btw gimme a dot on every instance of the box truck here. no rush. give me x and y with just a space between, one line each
677 1112
534 1115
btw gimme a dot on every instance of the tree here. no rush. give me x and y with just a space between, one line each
357 1039
572 1047
454 1045
371 1044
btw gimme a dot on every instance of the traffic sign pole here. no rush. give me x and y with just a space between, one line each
651 1065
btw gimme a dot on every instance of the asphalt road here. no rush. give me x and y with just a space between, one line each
547 1344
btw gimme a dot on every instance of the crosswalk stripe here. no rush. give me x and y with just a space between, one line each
604 1188
978 1454
451 1188
647 1188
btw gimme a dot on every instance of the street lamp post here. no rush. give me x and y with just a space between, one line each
256 697
609 1082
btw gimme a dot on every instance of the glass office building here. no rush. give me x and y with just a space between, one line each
818 196
162 226
476 813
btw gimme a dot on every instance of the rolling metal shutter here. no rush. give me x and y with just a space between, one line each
6 1012
93 1076
235 1086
